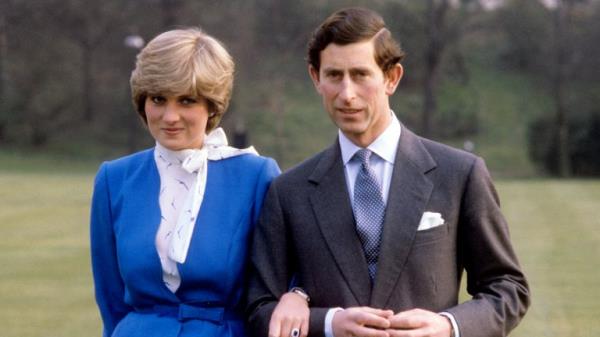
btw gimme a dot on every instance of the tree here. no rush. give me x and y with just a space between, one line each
566 142
4 9
435 26
445 23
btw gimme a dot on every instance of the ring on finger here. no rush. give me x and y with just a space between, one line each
295 332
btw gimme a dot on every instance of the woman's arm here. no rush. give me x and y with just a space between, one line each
109 287
291 315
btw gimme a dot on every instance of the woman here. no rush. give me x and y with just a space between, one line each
170 225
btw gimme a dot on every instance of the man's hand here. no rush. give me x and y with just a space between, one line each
419 323
290 313
361 321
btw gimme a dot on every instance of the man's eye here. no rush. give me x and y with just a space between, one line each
359 75
334 75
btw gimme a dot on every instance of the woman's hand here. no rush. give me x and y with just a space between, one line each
291 313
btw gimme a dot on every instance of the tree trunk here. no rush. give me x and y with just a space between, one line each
169 10
276 105
436 14
86 77
562 13
3 68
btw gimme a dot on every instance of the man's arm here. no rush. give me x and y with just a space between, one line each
272 265
499 290
269 268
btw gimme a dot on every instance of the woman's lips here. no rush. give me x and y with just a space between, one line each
172 131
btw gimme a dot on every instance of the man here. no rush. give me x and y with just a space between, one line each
379 239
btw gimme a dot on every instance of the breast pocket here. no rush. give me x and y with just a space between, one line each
431 235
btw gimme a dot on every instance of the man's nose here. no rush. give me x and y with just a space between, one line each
347 90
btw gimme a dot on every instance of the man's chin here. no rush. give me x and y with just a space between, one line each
351 129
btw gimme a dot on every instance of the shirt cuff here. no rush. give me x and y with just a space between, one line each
456 332
329 321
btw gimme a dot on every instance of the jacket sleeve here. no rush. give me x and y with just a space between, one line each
268 265
269 171
272 268
109 287
499 290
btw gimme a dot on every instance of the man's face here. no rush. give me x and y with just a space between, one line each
355 90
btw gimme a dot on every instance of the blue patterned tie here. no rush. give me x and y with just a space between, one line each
369 210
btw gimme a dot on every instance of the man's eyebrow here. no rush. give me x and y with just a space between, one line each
360 70
331 70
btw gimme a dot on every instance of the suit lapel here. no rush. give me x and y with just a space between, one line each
333 211
408 197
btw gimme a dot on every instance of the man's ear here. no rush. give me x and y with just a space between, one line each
314 76
392 78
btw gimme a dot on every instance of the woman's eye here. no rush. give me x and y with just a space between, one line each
187 101
157 99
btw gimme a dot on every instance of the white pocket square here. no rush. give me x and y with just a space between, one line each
430 220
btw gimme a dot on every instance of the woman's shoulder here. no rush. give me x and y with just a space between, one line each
250 161
133 159
119 168
248 167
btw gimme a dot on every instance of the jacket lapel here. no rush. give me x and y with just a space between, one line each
333 211
407 200
145 189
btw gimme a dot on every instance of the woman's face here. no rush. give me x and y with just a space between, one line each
177 122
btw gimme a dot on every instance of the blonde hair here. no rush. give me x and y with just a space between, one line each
184 62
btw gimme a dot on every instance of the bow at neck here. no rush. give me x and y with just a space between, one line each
195 161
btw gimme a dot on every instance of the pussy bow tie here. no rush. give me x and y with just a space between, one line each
215 148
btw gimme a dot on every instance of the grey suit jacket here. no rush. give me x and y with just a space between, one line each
306 235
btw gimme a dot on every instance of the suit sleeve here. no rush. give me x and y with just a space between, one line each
269 265
499 290
269 171
272 268
109 287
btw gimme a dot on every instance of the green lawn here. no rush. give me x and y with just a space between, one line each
45 279
557 235
46 287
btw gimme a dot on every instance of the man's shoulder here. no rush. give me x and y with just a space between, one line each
437 149
301 173
447 156
303 169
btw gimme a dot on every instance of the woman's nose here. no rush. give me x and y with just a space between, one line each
171 114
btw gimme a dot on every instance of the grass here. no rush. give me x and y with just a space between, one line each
556 231
46 287
45 279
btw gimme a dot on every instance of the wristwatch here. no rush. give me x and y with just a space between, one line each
301 293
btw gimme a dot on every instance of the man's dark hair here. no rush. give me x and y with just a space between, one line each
352 25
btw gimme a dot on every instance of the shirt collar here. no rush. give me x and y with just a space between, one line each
172 156
385 145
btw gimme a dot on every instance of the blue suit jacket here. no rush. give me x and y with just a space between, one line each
125 216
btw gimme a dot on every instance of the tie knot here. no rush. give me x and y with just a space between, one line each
194 161
364 156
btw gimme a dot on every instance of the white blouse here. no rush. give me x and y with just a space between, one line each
182 183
